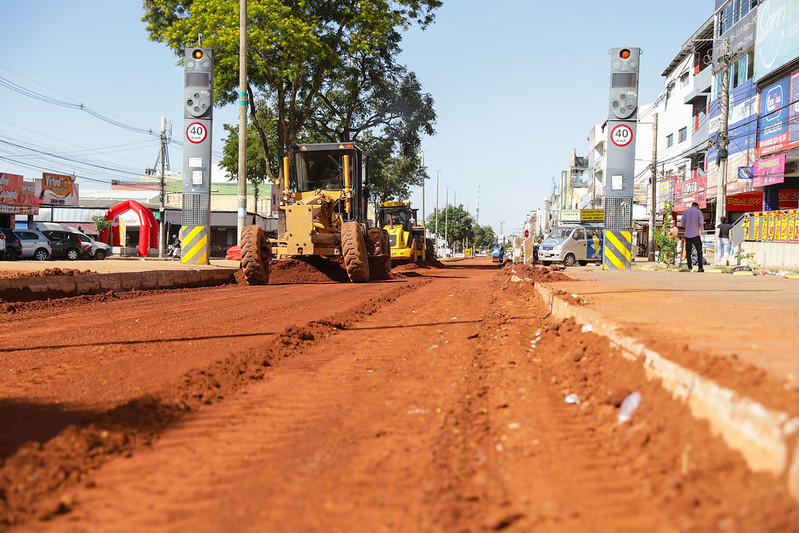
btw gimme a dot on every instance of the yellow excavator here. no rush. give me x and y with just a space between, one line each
325 215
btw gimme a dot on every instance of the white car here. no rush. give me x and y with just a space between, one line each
99 250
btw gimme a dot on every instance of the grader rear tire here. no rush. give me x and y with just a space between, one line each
353 248
430 251
255 255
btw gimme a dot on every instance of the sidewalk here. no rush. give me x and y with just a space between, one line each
753 317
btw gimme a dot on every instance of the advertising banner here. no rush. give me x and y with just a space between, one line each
741 120
795 225
756 227
791 221
748 201
592 215
777 35
769 171
58 189
783 225
689 191
10 189
772 222
570 215
773 119
788 199
747 227
665 192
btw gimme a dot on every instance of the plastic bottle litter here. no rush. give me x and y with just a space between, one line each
628 407
572 398
588 328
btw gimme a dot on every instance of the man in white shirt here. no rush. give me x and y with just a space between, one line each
693 221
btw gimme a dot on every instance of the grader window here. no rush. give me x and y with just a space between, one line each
319 171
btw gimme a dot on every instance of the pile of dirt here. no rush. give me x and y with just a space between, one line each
405 267
45 272
534 274
310 269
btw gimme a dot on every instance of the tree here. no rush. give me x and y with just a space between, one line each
484 236
297 50
459 224
663 240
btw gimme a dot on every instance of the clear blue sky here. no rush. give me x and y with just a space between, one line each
517 84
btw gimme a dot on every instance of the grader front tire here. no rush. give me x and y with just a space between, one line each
353 248
254 255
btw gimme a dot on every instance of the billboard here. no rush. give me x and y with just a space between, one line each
10 189
769 171
774 114
689 191
58 189
777 36
741 120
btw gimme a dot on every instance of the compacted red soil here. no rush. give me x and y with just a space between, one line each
442 399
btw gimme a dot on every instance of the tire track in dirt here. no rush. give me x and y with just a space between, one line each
32 479
335 440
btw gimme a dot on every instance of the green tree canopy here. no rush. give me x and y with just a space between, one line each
312 66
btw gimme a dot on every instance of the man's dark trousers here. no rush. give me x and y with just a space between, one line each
695 242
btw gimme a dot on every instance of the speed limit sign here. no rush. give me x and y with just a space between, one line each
621 135
196 132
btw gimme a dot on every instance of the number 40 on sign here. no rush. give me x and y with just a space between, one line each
621 135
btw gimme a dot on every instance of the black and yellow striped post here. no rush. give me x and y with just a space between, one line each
617 250
194 245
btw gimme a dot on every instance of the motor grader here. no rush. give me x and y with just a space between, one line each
406 236
325 215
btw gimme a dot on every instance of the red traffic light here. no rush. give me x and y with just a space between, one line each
624 54
197 54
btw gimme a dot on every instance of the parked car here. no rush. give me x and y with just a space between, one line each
98 250
572 244
13 245
35 244
67 245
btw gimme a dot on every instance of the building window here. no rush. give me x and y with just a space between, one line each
684 80
732 13
670 140
683 134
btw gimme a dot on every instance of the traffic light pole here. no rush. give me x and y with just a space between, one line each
198 106
620 158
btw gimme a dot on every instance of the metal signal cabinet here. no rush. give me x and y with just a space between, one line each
198 107
620 157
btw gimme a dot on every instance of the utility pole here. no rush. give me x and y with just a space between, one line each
424 213
721 188
162 206
477 211
446 219
242 196
438 172
653 193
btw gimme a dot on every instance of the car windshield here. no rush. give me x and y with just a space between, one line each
560 233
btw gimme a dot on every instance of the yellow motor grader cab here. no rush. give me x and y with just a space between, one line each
325 214
406 237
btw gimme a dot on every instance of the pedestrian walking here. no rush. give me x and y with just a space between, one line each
693 221
723 242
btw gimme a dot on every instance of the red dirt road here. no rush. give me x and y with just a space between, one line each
430 402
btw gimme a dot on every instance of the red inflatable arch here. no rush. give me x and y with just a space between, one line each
148 227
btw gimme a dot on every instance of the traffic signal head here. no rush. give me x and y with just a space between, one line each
624 82
199 83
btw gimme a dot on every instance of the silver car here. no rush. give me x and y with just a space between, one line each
34 244
99 250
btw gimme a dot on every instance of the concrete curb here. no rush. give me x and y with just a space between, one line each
41 287
764 437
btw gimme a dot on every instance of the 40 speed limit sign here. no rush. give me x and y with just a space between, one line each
196 132
621 135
